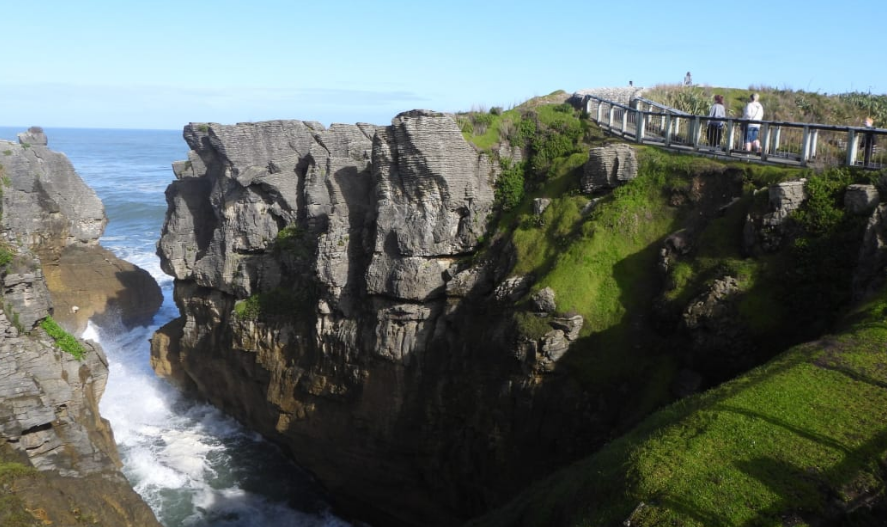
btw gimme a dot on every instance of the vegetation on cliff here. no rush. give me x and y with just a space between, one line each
779 104
798 438
65 340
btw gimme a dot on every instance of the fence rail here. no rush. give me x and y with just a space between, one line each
796 144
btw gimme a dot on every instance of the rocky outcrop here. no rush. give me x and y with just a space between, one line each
719 339
329 300
861 199
34 136
765 231
49 417
868 278
608 167
50 211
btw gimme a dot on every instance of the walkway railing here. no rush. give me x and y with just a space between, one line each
797 144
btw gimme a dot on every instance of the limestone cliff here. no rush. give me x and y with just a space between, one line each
327 302
49 417
334 297
47 208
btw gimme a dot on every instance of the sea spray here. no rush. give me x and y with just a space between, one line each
194 466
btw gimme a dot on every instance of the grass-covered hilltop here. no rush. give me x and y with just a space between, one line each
736 310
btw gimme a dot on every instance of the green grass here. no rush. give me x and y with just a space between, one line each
13 510
848 109
786 438
63 339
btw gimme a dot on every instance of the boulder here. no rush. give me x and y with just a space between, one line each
608 167
33 137
571 325
539 205
543 301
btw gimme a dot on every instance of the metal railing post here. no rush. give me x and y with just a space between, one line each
642 124
600 110
610 116
813 143
805 146
851 147
624 121
776 137
730 137
695 131
667 129
766 141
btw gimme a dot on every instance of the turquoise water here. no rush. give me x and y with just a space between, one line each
194 466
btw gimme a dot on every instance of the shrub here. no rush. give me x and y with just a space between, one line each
510 185
496 110
63 339
280 302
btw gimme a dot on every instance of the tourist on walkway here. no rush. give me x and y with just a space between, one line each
716 128
754 111
868 144
688 79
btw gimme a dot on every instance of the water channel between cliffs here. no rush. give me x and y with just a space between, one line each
192 464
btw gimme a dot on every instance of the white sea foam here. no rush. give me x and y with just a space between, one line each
191 463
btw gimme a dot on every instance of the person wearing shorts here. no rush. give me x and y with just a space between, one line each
754 111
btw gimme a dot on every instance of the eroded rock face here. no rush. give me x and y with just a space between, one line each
767 230
861 199
868 277
49 417
370 359
50 211
608 167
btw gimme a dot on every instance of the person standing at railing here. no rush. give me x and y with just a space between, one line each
868 144
755 112
716 128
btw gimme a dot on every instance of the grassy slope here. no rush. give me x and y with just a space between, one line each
780 441
784 440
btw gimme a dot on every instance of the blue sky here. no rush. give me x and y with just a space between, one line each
162 64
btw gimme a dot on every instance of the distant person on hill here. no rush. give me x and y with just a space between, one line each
754 111
868 144
688 79
716 128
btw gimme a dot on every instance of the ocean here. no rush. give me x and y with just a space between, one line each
194 466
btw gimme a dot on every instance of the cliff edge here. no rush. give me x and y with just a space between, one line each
59 460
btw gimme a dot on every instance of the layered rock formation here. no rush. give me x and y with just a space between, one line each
48 208
608 167
49 417
328 301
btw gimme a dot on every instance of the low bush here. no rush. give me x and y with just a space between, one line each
63 339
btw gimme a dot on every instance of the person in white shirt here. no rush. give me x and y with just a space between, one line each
754 111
